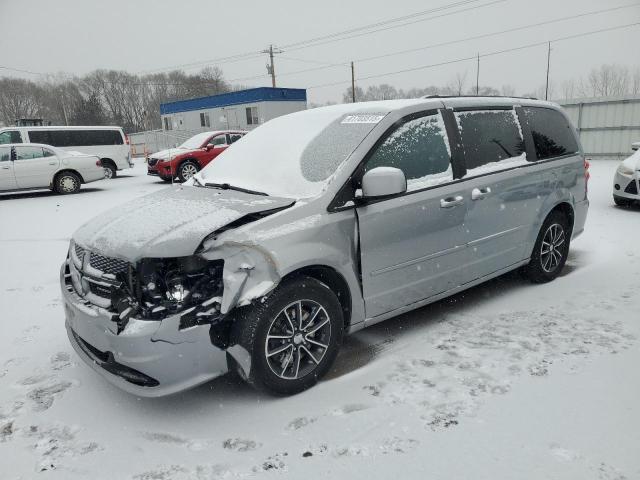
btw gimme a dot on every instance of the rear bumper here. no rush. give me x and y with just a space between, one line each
92 175
149 358
580 217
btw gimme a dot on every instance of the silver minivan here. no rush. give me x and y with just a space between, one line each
318 224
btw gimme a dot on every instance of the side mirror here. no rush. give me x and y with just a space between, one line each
635 146
208 147
383 182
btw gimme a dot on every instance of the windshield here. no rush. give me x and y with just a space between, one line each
294 155
196 141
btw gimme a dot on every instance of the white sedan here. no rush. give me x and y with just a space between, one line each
35 166
626 182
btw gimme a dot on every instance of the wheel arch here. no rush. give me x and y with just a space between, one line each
65 170
332 279
109 160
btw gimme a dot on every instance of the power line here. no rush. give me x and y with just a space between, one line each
333 37
441 44
473 57
378 24
396 26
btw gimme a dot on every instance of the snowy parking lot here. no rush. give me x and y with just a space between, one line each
508 380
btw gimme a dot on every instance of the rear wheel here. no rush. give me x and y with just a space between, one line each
551 249
67 182
292 337
187 170
110 170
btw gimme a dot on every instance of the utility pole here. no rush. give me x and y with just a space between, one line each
546 91
478 76
271 68
353 84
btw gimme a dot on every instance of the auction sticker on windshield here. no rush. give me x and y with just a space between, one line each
362 118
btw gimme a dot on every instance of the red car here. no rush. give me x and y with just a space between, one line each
186 160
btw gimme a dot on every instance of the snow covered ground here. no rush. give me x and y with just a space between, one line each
506 381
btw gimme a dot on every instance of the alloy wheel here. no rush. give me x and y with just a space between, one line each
298 339
68 184
188 171
551 250
108 173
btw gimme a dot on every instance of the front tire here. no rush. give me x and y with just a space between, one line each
292 337
551 249
187 170
66 183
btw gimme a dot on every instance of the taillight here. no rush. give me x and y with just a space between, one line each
587 175
126 139
99 163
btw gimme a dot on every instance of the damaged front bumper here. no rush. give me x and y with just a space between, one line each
149 358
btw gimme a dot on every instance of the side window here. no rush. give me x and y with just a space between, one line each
552 134
234 137
5 154
218 140
204 120
10 136
28 153
39 136
419 147
492 140
252 116
47 152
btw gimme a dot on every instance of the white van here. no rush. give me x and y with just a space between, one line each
109 143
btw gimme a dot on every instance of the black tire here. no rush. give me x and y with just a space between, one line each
551 249
253 323
66 183
167 180
110 170
187 169
622 202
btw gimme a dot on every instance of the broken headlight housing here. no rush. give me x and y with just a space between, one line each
169 285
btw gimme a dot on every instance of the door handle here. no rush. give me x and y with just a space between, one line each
480 193
451 202
53 163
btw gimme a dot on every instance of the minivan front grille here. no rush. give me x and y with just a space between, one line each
153 161
108 264
632 188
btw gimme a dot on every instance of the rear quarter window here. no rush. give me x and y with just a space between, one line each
552 134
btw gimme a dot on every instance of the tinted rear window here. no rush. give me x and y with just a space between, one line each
552 134
76 138
489 136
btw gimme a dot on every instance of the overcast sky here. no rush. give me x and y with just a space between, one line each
77 36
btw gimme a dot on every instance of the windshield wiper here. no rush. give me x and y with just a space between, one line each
226 186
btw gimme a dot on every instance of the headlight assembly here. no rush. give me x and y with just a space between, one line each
624 170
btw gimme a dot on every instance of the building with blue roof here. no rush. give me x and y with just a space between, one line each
242 110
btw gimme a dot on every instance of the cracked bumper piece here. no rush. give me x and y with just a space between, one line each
143 359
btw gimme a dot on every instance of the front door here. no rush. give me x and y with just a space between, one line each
413 245
7 178
34 167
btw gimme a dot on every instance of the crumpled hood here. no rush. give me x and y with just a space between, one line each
169 223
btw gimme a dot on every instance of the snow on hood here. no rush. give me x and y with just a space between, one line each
169 223
171 152
633 162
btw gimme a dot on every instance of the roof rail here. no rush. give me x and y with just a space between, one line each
479 96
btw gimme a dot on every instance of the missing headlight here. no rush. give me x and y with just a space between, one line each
168 286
